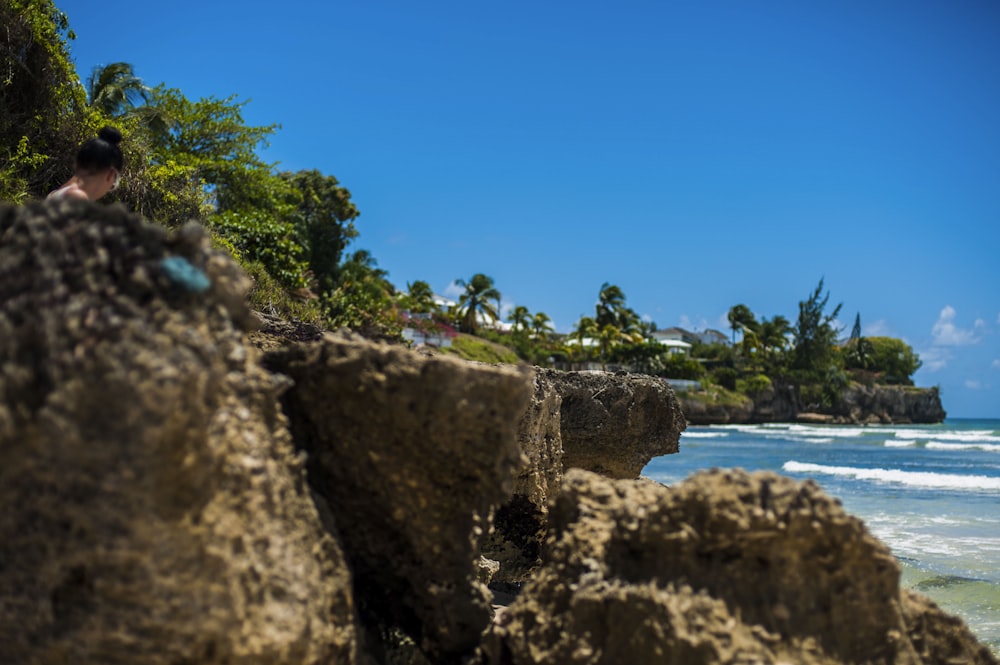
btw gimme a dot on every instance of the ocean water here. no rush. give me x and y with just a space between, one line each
930 492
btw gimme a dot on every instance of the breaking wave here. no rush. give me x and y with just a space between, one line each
924 479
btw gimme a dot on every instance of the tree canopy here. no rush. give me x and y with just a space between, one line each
815 334
293 231
43 107
477 300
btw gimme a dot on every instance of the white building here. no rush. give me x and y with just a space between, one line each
677 340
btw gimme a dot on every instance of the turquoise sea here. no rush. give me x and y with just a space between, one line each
930 492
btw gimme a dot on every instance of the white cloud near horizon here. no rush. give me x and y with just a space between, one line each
688 324
976 384
877 329
934 358
946 333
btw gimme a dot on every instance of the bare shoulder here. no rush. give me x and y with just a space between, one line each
68 192
76 193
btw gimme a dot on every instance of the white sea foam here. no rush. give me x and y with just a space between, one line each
823 431
892 443
985 447
704 435
923 479
809 438
968 436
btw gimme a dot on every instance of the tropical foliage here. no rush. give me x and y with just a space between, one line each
476 301
43 106
184 159
115 90
293 232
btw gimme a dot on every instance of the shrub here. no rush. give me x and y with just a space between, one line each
725 377
682 367
753 385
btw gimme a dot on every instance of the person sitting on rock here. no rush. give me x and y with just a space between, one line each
97 169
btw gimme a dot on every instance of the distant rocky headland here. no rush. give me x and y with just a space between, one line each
183 481
857 405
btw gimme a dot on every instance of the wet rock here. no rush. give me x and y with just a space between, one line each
154 509
411 452
726 567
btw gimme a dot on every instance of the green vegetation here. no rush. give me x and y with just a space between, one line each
481 350
293 233
718 396
185 159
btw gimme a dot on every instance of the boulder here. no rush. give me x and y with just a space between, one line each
153 507
725 567
410 452
614 423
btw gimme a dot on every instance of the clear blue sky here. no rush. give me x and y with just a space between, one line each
696 154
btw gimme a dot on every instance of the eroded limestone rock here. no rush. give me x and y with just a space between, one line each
153 507
613 424
411 452
609 423
726 567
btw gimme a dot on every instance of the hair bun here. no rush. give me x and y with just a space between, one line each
111 135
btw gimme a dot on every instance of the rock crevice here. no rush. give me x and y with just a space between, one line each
172 494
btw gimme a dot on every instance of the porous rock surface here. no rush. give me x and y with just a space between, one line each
726 567
613 424
153 507
858 404
889 404
518 530
410 452
610 423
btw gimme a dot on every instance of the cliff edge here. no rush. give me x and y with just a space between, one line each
172 494
859 404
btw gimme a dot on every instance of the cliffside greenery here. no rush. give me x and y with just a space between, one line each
199 159
185 159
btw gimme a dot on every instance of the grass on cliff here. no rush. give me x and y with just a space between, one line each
481 350
713 394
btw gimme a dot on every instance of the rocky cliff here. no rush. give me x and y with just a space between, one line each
726 567
154 509
171 494
859 404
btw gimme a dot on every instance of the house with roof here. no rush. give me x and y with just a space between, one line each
712 336
677 340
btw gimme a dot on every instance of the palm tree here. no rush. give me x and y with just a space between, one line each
610 305
475 300
419 298
773 334
520 317
541 325
586 328
115 89
740 317
607 337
